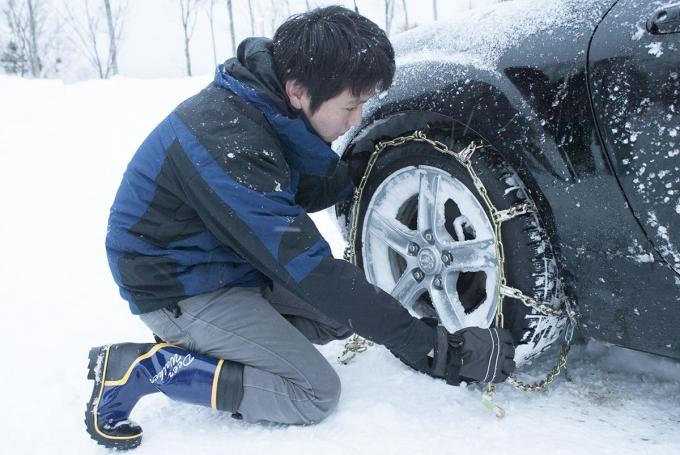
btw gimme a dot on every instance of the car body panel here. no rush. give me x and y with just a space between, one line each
635 83
529 98
635 90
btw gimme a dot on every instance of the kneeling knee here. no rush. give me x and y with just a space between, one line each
323 400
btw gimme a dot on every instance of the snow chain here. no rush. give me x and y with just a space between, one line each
358 344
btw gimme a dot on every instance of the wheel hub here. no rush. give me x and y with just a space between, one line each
428 261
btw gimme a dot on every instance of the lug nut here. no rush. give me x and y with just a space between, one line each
437 282
428 236
413 249
447 258
418 275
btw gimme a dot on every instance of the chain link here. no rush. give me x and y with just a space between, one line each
353 346
512 212
542 308
357 344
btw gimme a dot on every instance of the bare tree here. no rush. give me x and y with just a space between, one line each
231 27
267 16
189 11
114 22
434 9
211 19
403 3
14 57
34 37
18 49
13 60
252 18
257 17
389 14
307 3
87 33
275 15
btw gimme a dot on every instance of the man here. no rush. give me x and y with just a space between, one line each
211 245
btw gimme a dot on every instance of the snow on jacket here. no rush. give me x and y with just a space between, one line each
217 194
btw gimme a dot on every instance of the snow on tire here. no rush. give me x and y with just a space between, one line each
426 236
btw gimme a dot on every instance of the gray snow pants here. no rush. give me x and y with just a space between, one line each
285 378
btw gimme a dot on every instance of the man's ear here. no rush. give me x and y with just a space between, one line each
295 93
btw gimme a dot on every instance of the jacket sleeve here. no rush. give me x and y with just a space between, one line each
318 193
246 203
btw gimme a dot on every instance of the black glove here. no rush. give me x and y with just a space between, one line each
473 355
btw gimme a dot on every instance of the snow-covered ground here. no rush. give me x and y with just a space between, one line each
63 149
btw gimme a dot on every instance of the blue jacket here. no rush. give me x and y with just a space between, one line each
217 196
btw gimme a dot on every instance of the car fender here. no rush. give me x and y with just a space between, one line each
471 100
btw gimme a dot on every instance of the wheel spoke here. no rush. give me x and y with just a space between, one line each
471 255
449 308
407 290
428 201
392 232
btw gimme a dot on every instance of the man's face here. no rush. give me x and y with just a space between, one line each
335 116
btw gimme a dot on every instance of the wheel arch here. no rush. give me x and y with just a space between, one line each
473 101
479 103
482 101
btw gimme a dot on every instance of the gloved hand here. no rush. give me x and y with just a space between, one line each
473 354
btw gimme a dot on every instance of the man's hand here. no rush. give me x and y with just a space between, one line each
473 355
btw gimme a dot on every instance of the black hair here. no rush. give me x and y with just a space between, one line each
328 50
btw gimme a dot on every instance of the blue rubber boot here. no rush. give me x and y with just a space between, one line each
123 373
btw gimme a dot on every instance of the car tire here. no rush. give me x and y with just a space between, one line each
388 225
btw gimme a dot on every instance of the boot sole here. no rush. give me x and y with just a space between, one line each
96 371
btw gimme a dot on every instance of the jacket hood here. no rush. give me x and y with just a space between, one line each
254 65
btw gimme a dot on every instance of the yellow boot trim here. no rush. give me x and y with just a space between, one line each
96 405
127 374
216 380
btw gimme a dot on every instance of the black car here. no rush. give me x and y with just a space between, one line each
529 151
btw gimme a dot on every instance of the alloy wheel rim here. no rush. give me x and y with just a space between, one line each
426 233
